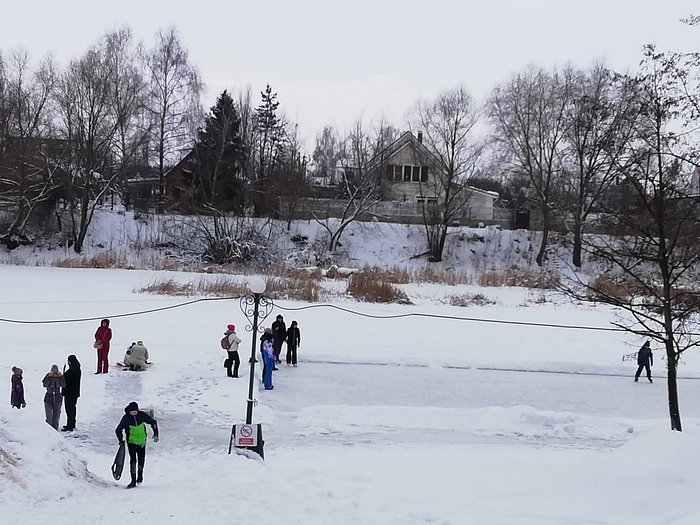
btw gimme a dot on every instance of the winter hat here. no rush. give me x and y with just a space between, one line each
54 369
279 317
16 370
73 361
231 327
294 323
131 406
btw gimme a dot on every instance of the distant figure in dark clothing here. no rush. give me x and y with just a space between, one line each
645 359
133 424
17 395
293 342
54 382
279 331
71 392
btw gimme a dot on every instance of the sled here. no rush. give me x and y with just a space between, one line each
126 367
118 465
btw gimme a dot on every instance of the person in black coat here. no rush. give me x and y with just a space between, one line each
71 392
279 331
645 359
293 342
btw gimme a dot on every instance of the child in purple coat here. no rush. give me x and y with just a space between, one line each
17 396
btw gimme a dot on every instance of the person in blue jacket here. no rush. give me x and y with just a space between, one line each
267 349
133 424
645 359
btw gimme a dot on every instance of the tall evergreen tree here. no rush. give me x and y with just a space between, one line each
270 130
219 155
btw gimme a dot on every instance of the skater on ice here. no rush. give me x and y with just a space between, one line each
645 359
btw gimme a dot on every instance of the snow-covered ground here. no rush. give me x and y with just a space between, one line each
387 421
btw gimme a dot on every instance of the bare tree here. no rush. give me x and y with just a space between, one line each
326 155
528 116
600 120
26 175
360 184
289 182
90 119
446 125
172 101
653 264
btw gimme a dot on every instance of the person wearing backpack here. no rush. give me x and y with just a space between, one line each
230 343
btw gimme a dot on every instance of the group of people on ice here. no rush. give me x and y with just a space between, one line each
271 343
62 389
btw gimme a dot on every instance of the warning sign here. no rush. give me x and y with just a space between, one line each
246 436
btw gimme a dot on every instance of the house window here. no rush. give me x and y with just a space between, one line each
429 201
407 173
389 172
416 174
424 174
397 173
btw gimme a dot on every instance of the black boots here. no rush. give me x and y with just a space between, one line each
139 479
132 484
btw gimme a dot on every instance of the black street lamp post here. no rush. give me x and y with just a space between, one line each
256 307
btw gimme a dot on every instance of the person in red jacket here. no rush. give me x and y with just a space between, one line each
102 338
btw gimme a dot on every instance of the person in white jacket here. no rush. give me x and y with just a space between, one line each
136 357
233 359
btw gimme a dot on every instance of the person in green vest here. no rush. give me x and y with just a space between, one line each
133 424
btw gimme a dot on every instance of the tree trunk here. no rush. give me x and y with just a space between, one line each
576 259
673 409
542 254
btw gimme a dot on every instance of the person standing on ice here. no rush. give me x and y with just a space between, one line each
53 382
133 424
293 342
71 392
268 352
279 331
103 336
17 395
231 342
267 336
645 359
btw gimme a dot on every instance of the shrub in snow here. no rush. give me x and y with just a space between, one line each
368 285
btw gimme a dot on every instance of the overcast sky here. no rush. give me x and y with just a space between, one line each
331 61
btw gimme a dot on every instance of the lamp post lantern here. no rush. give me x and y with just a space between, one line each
255 307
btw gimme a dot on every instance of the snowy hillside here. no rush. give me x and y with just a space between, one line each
143 240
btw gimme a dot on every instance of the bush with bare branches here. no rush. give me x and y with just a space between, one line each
368 286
